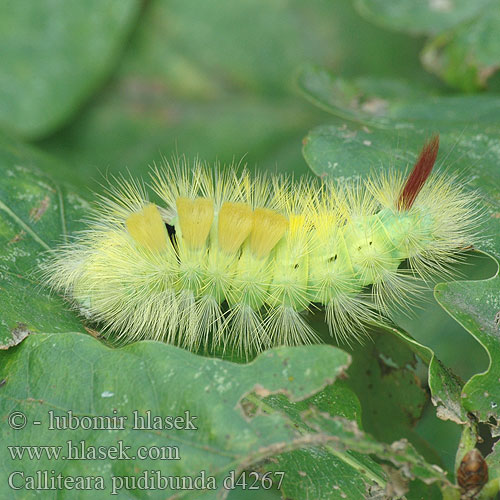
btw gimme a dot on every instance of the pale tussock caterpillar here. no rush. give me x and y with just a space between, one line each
235 259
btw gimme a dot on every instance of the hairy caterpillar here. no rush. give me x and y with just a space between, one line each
236 261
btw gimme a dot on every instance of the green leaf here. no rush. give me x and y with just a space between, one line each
493 461
400 453
492 488
166 381
476 306
54 55
444 385
468 55
35 214
420 17
385 103
356 475
465 49
383 375
317 473
309 470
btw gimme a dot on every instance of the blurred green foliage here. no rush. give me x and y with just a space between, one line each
215 79
463 46
55 54
110 86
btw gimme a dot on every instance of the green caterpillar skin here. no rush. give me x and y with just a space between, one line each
302 246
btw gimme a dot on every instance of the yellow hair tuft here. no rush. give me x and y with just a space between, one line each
234 225
147 228
195 219
268 228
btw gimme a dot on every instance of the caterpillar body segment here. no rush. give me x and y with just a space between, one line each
237 261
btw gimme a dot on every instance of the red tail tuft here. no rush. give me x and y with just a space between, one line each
419 174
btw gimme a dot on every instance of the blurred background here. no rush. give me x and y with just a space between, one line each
109 86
